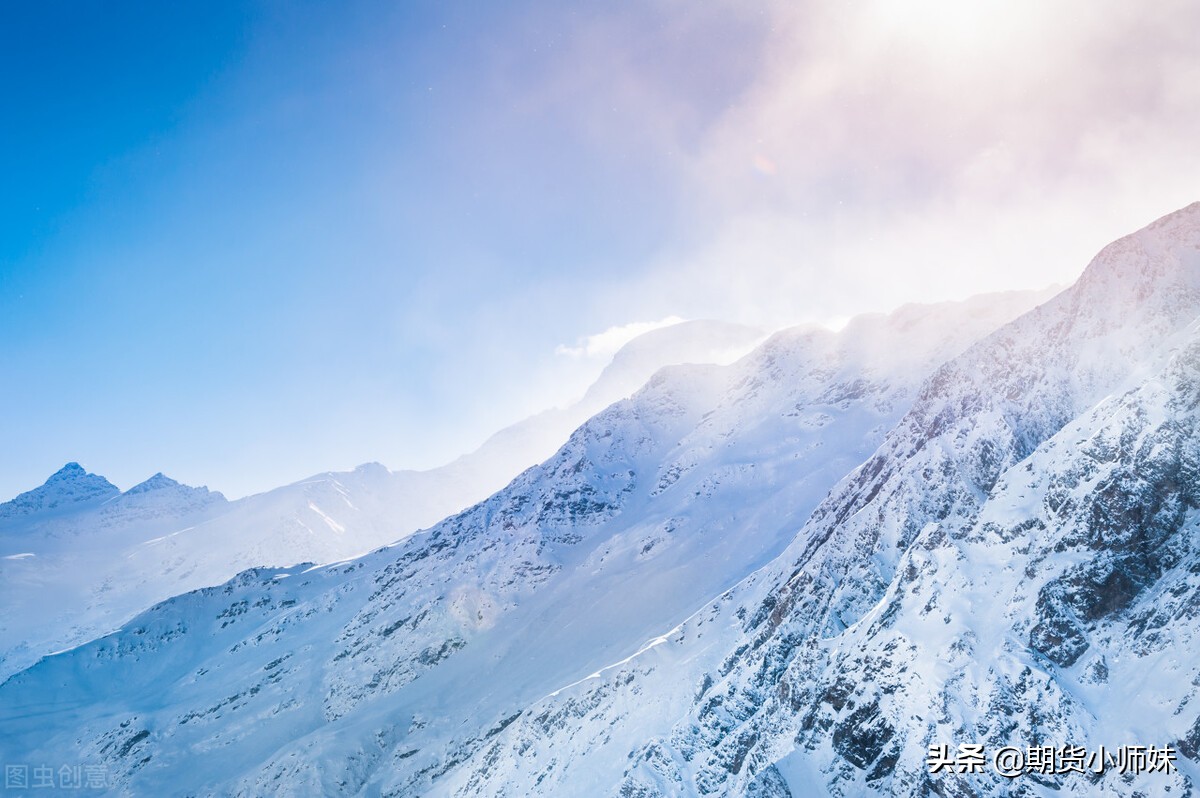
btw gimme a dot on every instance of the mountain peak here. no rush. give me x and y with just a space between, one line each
1153 273
160 490
156 482
71 470
72 484
1187 216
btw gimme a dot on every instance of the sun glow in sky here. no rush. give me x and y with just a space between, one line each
249 242
962 25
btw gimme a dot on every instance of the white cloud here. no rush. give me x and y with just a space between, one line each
603 345
890 152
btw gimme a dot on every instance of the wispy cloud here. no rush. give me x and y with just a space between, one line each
603 345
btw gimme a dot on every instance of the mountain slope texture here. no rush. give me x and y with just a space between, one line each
78 558
789 576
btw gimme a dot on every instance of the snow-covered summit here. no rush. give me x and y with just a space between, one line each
1153 273
1015 565
160 485
160 496
156 482
69 487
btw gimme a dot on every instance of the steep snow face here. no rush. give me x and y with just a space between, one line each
66 489
389 672
1015 565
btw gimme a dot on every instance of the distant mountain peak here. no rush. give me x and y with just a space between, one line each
156 482
161 488
72 484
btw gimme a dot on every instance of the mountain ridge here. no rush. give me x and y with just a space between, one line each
85 571
640 507
806 701
935 526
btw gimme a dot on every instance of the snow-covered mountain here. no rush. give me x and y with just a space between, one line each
398 672
1014 566
78 558
67 489
68 557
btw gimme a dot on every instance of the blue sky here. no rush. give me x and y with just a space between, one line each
245 242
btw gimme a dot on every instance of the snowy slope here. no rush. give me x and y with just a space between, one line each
1015 565
387 674
66 567
77 559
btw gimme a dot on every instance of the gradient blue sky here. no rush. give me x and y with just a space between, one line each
245 242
